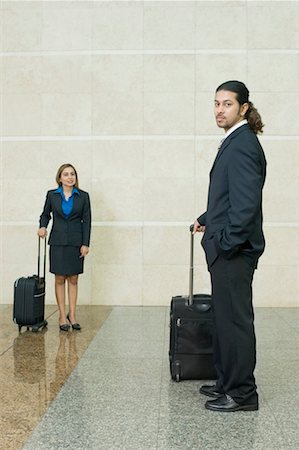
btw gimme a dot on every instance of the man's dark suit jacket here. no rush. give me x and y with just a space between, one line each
233 219
75 230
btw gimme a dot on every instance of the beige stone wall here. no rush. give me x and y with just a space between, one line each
124 91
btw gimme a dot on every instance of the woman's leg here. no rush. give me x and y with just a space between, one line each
72 295
60 297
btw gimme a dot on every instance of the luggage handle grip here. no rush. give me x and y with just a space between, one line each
38 258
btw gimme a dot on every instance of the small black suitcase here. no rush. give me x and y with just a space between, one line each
29 299
191 330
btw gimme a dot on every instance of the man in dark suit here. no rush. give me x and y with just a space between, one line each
233 242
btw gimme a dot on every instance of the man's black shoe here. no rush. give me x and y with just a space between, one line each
228 404
210 391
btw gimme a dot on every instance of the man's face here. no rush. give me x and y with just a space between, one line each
228 110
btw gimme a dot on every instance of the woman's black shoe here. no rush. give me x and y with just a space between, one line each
75 326
64 327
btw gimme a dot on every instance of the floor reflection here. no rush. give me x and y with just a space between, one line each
29 357
34 367
65 361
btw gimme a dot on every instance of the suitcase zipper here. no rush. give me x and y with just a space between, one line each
24 304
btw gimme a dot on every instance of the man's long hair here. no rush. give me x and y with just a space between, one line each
252 115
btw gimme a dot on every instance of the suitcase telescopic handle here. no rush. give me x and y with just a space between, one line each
38 258
191 269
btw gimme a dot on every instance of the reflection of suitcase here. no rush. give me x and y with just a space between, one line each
29 357
30 369
29 299
191 327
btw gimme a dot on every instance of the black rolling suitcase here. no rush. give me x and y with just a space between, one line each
191 327
29 299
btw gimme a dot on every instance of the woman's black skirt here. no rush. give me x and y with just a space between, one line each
65 260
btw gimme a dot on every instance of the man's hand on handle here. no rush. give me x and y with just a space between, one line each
198 227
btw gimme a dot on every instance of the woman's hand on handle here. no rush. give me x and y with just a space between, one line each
42 232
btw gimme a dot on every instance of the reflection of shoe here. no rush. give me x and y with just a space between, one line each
228 404
64 327
210 391
75 326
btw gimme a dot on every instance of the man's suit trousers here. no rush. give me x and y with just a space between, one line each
234 336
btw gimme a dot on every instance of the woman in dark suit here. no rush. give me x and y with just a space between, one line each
69 239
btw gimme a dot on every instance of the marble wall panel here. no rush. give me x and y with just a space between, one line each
19 257
273 72
169 73
117 73
165 246
220 25
282 246
66 114
117 284
169 113
117 113
281 293
21 74
21 114
17 161
117 25
20 201
160 283
66 74
117 199
21 26
169 26
279 111
115 245
168 159
167 201
117 159
66 27
272 25
124 90
281 200
212 69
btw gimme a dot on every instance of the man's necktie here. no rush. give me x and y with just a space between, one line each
220 143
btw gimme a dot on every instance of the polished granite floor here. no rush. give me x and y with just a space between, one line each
108 387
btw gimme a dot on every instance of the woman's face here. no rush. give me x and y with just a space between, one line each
68 177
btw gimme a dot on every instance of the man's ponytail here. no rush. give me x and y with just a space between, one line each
254 119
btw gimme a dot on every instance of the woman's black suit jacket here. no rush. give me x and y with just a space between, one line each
75 230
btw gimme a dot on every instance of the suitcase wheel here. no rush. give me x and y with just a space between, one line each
177 377
42 324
